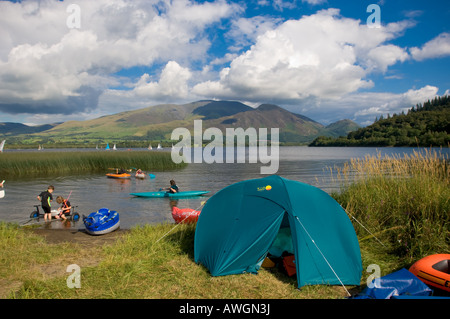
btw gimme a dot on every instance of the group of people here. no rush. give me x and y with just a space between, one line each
46 199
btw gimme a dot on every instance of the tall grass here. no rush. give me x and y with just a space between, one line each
404 200
40 163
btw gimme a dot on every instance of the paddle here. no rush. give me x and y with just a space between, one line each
112 168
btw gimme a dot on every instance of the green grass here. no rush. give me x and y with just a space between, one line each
136 266
41 163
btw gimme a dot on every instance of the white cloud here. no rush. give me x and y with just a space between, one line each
317 65
172 84
323 55
245 31
437 47
383 56
44 64
364 107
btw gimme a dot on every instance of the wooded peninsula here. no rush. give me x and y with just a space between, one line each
426 125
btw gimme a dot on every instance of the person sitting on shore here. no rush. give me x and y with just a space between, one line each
64 209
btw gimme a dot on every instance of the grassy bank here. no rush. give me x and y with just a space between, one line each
136 266
41 163
405 201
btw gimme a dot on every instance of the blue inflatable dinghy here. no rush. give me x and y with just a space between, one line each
101 222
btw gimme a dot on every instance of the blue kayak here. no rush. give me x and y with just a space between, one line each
170 195
101 222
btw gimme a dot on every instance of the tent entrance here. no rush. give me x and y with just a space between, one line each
283 243
281 251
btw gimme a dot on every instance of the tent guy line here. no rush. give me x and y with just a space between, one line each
326 260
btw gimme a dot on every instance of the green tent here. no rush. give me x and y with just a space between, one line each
239 224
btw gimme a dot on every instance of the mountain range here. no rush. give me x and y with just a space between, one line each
156 123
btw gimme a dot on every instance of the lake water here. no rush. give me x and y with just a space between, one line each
91 192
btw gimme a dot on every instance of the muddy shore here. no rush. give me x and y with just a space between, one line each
77 236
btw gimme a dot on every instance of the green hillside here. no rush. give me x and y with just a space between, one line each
426 124
155 124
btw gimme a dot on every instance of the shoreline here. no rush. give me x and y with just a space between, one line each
80 236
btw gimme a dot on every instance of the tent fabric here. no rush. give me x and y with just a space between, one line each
282 243
397 285
239 224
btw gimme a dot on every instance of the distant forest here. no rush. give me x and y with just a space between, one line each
426 124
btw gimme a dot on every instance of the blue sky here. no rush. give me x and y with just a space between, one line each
83 59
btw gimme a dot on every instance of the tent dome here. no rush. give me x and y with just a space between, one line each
239 224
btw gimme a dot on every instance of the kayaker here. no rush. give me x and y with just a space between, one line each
173 187
45 198
64 209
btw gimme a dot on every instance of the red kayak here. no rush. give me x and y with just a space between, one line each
185 215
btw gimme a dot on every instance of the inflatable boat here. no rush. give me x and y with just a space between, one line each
185 215
101 222
140 175
433 270
171 195
119 176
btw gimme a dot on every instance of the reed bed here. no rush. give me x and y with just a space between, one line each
43 163
402 199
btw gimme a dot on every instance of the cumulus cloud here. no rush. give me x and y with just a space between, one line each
364 107
322 55
244 31
172 84
311 65
43 63
435 48
383 56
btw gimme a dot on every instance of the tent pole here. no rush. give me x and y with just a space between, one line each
342 284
